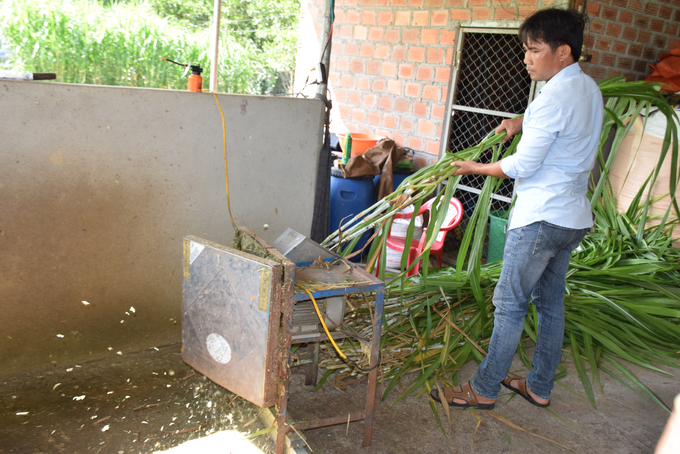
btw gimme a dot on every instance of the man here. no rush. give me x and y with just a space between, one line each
552 214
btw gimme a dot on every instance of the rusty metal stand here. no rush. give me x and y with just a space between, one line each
358 282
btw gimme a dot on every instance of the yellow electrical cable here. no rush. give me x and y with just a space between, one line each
325 328
226 171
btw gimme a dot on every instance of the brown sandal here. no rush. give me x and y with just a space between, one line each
522 389
466 393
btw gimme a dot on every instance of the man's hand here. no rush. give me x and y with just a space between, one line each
465 168
511 127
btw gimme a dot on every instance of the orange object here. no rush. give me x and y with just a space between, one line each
667 70
453 218
195 82
360 142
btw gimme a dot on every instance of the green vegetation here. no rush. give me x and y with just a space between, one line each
121 43
623 285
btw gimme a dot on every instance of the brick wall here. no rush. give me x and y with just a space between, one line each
625 36
391 59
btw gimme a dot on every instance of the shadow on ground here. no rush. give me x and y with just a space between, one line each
152 401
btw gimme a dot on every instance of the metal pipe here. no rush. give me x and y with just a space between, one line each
326 41
215 45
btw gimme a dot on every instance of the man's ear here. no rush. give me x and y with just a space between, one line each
564 52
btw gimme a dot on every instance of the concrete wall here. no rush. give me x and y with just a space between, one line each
98 185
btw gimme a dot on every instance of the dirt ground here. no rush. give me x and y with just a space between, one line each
152 401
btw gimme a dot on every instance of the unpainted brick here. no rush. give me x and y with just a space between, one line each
370 100
481 13
439 18
429 36
603 43
447 38
415 142
651 8
614 29
442 74
640 66
366 50
504 13
410 36
435 55
665 12
406 70
392 35
635 5
425 73
368 17
399 53
374 118
389 69
420 108
660 41
402 18
431 92
353 16
412 89
402 105
629 33
608 59
438 111
635 50
641 21
406 124
416 54
375 33
656 25
356 66
390 121
425 127
385 18
382 51
363 83
359 115
625 63
597 26
435 3
421 18
432 147
360 32
460 14
609 13
619 47
379 86
394 87
644 37
353 98
625 17
373 67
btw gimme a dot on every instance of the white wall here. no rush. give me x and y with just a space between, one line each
98 185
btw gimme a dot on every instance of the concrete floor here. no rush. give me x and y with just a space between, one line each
152 401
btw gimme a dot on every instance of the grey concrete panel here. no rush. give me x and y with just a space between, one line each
98 185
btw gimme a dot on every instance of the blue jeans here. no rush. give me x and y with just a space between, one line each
535 262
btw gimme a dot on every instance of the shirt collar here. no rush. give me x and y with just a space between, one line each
564 73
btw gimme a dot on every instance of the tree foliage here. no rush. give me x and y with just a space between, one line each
116 42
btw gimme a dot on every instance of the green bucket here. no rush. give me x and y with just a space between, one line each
498 221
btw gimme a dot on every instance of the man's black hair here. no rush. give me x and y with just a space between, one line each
555 27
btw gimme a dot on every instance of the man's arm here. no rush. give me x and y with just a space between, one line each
475 168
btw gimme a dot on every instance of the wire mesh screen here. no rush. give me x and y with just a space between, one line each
491 74
491 77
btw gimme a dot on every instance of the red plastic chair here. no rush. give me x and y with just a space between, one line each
453 218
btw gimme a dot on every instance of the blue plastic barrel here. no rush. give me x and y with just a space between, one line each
349 197
398 176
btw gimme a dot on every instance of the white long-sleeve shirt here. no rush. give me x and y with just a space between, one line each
560 138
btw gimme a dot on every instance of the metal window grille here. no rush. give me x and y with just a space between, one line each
489 83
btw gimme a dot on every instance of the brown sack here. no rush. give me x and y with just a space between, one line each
382 159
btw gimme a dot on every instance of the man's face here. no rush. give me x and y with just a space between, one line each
542 63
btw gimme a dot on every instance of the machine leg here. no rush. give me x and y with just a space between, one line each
374 365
